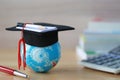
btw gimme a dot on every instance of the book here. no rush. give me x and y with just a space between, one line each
98 38
103 27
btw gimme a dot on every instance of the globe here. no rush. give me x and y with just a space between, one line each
42 59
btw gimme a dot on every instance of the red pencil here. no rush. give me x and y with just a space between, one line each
12 71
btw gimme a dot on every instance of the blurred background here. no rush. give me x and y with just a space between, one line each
75 13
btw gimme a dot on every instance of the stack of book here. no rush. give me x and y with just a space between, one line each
98 38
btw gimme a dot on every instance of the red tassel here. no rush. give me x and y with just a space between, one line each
22 42
19 56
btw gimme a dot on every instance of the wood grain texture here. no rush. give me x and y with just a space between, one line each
66 69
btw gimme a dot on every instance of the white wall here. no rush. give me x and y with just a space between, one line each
75 13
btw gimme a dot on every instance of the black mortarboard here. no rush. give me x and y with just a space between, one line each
43 38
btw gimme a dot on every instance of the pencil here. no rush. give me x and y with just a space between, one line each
13 72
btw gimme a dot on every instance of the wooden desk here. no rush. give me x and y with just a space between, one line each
66 69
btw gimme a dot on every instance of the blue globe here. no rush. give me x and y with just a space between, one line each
42 59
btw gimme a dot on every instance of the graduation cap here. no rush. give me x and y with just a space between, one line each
40 34
37 34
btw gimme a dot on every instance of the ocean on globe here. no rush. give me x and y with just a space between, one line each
42 59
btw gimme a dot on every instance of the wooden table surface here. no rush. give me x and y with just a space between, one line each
66 69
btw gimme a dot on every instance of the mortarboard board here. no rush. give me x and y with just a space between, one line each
41 38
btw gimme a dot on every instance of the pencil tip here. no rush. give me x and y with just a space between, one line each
27 76
17 73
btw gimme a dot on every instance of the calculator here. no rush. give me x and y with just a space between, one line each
109 62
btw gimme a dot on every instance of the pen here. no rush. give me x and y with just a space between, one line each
12 72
